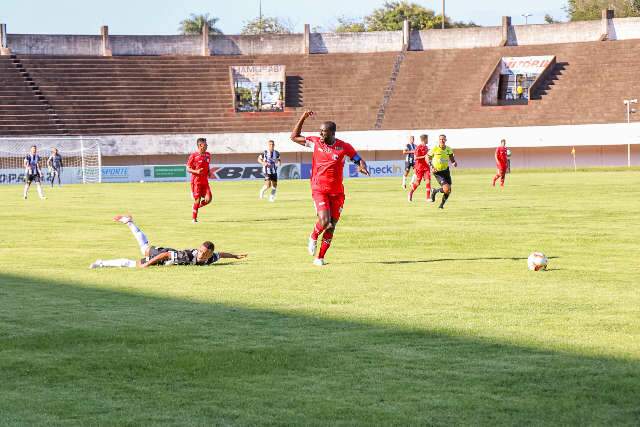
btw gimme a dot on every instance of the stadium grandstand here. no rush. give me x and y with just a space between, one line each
545 88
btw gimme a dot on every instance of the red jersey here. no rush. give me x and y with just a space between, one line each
421 150
202 162
501 155
328 164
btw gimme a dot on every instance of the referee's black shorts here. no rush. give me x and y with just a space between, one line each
443 177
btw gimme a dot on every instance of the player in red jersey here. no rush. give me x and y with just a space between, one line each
198 166
501 163
421 168
327 190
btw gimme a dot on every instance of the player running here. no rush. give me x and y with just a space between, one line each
54 163
327 190
270 161
421 169
409 161
501 163
32 172
439 158
198 166
153 255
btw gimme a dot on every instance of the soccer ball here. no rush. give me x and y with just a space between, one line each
537 261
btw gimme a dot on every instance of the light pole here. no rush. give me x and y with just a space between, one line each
526 17
630 110
443 15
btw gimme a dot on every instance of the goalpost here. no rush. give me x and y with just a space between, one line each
81 158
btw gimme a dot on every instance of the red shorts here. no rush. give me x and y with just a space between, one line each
200 190
328 202
502 168
421 174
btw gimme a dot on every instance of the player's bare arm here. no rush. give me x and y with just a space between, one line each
453 160
232 256
194 171
362 167
297 130
156 260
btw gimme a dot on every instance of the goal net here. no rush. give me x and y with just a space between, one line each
81 160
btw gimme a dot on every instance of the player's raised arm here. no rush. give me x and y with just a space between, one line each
233 256
297 130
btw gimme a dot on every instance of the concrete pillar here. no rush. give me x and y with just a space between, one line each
205 41
4 49
607 14
506 25
106 47
307 39
406 35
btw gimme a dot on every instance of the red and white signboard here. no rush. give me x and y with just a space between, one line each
528 65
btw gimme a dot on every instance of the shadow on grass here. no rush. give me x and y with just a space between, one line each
74 354
419 261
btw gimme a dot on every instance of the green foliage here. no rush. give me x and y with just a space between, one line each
267 25
392 14
194 24
548 19
586 10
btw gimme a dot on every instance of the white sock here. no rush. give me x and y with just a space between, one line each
26 190
143 243
262 190
39 187
273 192
120 262
413 179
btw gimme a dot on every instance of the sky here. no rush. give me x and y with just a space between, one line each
164 16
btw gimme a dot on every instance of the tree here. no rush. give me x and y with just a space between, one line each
548 19
349 25
586 10
391 15
267 25
195 23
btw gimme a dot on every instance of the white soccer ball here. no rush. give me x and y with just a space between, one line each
537 261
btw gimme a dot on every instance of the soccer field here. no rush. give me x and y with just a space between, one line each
422 316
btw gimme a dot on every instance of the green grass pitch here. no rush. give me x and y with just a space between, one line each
421 316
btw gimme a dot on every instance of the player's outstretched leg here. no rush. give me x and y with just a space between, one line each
120 263
143 242
40 193
446 191
264 189
26 190
434 193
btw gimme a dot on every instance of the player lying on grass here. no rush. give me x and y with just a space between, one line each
153 255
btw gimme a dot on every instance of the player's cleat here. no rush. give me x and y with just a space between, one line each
194 221
25 197
404 186
96 264
43 198
433 197
319 262
312 246
440 207
123 218
272 198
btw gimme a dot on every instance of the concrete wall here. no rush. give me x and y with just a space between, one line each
42 44
155 45
287 44
456 38
379 41
570 32
624 29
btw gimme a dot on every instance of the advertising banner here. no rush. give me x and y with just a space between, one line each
377 168
258 87
525 65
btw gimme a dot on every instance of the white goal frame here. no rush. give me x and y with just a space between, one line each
81 156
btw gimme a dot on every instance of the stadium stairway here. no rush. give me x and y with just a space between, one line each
24 110
441 88
148 95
